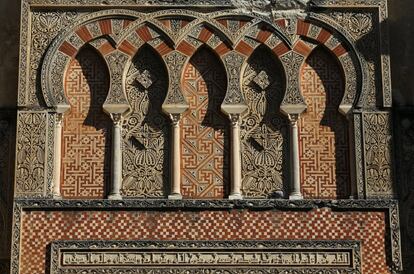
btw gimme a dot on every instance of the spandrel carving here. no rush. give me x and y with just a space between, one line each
264 130
146 128
45 26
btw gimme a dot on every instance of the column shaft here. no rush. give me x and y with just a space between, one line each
295 193
58 158
116 159
235 192
175 158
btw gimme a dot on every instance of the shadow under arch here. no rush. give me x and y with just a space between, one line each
205 144
323 131
264 130
86 132
146 129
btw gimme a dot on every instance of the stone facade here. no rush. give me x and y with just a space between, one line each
222 125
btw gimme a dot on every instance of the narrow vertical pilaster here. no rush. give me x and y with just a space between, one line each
295 193
116 159
175 158
58 154
235 192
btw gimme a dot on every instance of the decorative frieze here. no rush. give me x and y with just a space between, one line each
239 256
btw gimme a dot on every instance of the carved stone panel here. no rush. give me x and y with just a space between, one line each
264 131
145 129
323 133
204 132
86 134
206 257
377 130
30 158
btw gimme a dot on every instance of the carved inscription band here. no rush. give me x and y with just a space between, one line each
236 256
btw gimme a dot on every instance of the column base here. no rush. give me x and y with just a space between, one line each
235 196
114 197
297 196
175 196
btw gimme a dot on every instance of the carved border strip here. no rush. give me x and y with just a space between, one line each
390 207
217 248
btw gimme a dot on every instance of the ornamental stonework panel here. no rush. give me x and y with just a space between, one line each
206 256
265 160
377 130
30 157
41 228
204 129
146 129
323 133
86 134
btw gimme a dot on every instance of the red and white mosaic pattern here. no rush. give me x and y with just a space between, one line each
40 228
204 130
323 134
86 144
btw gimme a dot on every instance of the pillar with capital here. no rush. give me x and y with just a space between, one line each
58 159
295 193
236 173
116 158
175 193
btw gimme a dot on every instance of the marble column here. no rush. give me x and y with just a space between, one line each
58 156
295 193
235 192
176 158
116 159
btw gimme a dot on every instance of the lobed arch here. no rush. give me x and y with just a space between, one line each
310 28
200 29
68 43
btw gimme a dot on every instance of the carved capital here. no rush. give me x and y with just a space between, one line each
175 119
59 119
234 119
116 118
293 119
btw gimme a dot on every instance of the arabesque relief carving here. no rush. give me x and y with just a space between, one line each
378 152
265 157
30 159
146 128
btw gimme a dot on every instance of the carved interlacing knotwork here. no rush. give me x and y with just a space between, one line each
264 130
145 130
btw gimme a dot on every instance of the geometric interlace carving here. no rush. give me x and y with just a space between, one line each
323 131
264 131
86 133
204 129
146 128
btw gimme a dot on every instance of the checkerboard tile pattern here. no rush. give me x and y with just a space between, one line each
39 228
